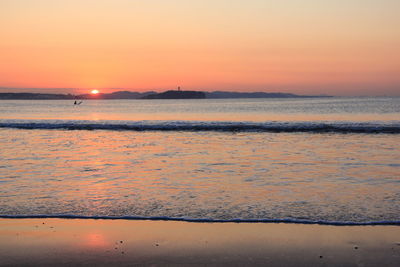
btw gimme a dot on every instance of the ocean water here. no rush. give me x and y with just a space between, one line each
325 160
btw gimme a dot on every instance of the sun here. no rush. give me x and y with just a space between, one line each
94 92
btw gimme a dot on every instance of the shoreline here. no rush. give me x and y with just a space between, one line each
204 220
63 242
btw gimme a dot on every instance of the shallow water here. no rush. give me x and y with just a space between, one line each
260 110
202 174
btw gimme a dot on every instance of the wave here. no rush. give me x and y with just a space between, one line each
201 220
195 126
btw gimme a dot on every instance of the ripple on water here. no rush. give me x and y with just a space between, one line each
300 176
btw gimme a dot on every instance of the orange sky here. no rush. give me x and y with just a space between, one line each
300 46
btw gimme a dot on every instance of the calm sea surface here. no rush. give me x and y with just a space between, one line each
333 160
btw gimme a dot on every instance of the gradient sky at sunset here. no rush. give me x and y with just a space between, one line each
343 47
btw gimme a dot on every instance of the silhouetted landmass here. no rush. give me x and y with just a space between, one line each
224 94
35 96
116 95
128 95
39 96
173 94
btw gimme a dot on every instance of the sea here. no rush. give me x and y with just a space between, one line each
328 160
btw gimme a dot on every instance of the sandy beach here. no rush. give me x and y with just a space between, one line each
73 242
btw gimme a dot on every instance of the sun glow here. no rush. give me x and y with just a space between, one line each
94 92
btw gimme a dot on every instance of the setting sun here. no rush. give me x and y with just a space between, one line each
94 92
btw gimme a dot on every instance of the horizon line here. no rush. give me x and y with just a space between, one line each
159 90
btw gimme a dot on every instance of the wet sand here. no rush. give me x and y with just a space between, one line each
67 242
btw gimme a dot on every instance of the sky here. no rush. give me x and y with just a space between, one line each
342 47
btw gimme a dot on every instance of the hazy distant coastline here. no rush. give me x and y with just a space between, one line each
171 94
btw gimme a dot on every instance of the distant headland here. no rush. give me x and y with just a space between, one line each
171 94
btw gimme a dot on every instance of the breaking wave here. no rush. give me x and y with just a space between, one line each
202 220
392 127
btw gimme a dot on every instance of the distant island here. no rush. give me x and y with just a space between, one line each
171 94
177 94
224 94
39 96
